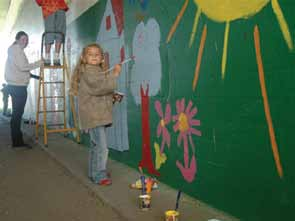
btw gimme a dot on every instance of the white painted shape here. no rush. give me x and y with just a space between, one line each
117 134
147 68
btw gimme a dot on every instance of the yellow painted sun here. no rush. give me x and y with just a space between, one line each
226 11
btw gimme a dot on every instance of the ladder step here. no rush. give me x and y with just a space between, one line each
52 97
55 125
61 130
54 67
51 111
53 82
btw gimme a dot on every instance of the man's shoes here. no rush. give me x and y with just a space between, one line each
56 62
23 145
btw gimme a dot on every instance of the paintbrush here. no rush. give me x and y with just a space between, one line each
177 200
121 63
142 178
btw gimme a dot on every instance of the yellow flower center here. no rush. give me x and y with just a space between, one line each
183 122
162 122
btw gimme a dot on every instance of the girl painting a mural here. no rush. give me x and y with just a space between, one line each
94 86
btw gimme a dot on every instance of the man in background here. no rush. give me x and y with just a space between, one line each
5 96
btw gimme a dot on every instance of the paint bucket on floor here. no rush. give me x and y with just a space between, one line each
144 202
171 215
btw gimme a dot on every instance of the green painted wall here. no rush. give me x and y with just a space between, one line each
236 171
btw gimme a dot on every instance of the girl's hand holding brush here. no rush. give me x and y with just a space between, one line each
117 69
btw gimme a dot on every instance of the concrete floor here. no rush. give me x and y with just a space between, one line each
51 184
34 187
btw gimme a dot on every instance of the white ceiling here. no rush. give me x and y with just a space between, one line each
4 6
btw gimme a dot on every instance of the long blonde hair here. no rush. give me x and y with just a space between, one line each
80 67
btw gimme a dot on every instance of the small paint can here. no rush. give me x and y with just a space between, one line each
144 202
171 215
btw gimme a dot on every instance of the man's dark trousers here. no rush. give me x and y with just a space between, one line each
19 97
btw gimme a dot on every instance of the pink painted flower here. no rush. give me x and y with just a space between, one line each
189 172
165 119
184 124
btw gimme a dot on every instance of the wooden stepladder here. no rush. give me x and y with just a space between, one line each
52 101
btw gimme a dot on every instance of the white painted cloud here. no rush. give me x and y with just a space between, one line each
147 68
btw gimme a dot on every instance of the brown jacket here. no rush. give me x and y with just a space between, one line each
95 97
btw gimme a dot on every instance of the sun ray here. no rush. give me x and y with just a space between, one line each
283 24
266 104
194 30
224 54
200 55
178 18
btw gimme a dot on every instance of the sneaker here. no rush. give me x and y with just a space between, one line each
47 62
105 182
56 62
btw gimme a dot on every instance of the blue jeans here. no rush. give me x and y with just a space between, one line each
98 154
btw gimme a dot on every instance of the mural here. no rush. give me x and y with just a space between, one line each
143 3
228 12
147 67
160 156
185 126
266 103
165 120
146 159
162 131
220 122
111 38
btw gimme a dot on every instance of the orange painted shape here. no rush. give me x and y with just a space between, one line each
179 16
200 55
266 104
